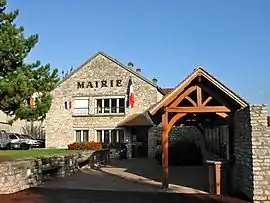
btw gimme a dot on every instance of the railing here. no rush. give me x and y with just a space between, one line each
103 110
110 110
100 158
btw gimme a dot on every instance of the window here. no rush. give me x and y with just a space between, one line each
110 106
121 105
113 137
81 106
99 136
81 135
110 136
12 137
85 135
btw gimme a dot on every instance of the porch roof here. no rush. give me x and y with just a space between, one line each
199 71
137 119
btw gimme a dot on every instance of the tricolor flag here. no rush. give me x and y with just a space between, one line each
32 102
33 99
131 98
68 104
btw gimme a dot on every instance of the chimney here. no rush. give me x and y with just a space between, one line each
138 70
130 65
154 80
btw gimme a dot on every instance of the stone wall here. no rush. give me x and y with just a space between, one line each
251 148
18 175
176 133
60 123
243 179
260 153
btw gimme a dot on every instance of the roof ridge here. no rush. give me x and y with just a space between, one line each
199 68
128 68
118 63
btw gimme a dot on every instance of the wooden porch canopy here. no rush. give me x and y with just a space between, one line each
199 100
138 119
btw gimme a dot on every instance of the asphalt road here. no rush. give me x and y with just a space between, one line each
53 195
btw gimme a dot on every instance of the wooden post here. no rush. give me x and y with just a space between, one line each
165 144
218 177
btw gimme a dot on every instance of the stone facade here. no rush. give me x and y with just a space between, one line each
251 148
61 123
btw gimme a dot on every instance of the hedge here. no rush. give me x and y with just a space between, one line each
85 146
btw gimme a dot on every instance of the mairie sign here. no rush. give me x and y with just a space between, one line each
99 84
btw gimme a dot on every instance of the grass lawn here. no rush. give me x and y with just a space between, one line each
15 154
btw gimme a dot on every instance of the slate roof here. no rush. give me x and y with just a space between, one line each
167 90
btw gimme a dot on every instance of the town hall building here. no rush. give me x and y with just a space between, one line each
93 104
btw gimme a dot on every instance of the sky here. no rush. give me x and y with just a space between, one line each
166 39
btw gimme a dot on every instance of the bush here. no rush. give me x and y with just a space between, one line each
85 146
183 152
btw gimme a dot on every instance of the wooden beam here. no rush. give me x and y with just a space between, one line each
204 109
182 96
199 96
214 94
191 101
174 119
223 115
175 94
207 100
165 146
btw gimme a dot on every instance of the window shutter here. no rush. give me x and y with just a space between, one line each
81 103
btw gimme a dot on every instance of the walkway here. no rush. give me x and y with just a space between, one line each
124 181
135 175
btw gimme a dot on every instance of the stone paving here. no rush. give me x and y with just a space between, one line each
123 181
53 195
135 175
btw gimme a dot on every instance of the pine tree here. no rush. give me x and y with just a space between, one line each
19 80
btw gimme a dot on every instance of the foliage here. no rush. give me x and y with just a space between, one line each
85 146
35 130
183 152
19 80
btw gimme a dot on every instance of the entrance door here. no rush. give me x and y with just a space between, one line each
140 141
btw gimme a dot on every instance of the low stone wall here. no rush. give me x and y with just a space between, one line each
21 174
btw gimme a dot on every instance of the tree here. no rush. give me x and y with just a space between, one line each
19 80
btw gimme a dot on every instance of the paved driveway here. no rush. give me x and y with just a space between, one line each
53 195
134 180
135 175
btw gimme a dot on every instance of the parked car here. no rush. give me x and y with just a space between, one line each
35 143
13 141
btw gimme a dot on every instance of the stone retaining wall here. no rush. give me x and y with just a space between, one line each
242 169
21 174
252 155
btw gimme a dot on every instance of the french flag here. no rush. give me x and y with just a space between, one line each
68 104
131 98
